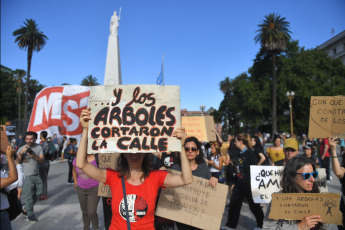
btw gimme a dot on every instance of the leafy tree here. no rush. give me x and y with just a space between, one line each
89 80
8 95
273 35
225 87
19 74
29 38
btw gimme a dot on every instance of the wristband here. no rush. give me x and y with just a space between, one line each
334 156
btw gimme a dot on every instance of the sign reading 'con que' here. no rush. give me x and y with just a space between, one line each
134 118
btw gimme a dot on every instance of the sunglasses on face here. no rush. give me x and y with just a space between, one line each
306 176
187 149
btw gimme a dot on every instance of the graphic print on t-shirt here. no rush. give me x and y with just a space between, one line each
168 161
137 207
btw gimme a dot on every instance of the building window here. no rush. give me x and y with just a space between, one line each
335 51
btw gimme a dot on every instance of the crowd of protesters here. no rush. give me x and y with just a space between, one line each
227 162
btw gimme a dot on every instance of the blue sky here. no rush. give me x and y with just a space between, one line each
202 41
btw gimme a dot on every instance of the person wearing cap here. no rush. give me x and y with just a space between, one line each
290 149
308 152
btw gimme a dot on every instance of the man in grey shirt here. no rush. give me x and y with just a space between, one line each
31 154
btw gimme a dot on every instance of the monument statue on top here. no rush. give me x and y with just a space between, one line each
114 23
112 74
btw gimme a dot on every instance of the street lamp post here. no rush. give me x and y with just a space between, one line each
290 96
202 108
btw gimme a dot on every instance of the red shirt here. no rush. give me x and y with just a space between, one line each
322 147
141 200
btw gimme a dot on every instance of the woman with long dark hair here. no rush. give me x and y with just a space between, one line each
141 183
258 150
241 188
198 166
299 176
216 160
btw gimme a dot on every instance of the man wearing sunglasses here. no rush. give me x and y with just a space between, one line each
290 149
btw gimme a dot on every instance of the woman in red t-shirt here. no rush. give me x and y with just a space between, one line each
141 182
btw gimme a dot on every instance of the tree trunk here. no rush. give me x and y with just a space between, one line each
19 105
26 118
274 94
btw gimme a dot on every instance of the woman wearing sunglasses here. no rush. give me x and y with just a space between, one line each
299 176
141 182
199 168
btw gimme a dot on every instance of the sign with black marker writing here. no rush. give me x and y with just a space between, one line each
265 180
327 117
106 160
197 204
296 206
134 118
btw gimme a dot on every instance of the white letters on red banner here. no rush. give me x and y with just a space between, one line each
57 110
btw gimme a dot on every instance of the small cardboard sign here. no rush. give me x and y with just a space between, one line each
106 160
200 127
296 206
134 118
197 204
265 180
327 117
4 140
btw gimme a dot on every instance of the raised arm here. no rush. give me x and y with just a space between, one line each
81 162
186 176
338 171
12 173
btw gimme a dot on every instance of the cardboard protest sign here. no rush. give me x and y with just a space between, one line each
265 180
296 206
4 140
106 160
132 118
327 117
200 127
197 204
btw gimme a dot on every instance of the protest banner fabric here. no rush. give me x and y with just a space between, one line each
57 110
200 127
296 206
4 140
196 204
134 118
265 180
327 117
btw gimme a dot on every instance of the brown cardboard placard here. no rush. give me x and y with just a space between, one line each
296 206
327 117
4 140
200 127
134 118
106 160
196 204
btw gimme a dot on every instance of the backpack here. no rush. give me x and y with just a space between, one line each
52 153
15 205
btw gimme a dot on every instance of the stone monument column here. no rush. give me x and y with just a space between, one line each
112 74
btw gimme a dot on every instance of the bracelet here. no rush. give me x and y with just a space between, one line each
334 156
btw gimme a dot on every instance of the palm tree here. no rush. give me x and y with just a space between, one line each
19 74
273 36
226 88
89 80
30 38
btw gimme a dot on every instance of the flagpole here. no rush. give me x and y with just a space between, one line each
163 67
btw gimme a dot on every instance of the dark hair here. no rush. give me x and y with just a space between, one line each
275 138
72 140
123 168
199 158
288 182
258 146
44 134
31 133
